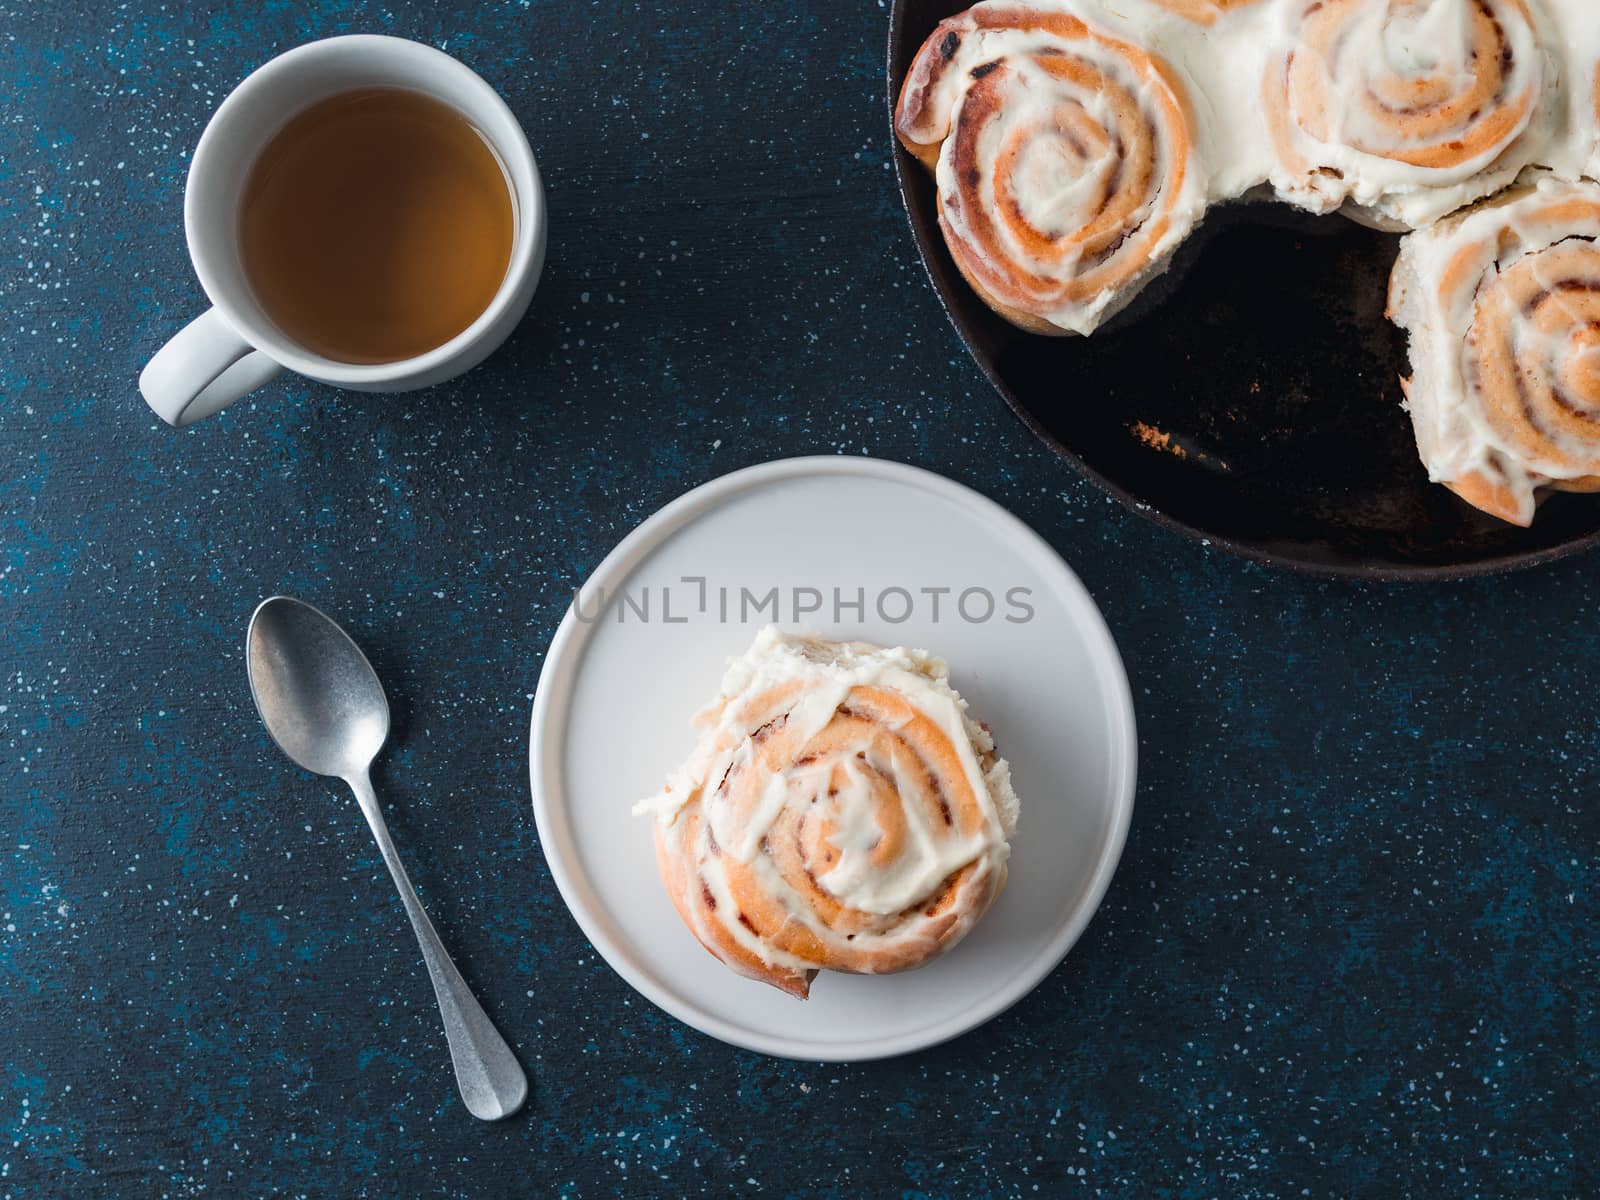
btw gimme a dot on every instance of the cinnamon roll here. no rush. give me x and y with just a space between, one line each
840 812
1064 157
1408 109
1502 304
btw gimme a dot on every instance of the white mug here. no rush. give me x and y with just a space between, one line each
234 347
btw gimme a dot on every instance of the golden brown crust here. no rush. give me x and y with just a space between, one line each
1491 495
1022 320
1202 12
697 908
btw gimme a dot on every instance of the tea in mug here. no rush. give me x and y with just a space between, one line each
376 225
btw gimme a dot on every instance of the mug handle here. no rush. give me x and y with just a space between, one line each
203 369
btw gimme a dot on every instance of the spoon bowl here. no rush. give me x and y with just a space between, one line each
317 694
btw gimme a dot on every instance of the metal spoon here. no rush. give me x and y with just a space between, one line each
322 703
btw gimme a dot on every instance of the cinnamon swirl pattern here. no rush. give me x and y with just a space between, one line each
1064 157
1502 304
1407 108
840 812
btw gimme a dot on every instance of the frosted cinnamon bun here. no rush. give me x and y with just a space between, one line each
1064 157
840 812
1502 304
1406 109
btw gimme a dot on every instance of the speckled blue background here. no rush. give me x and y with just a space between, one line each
1351 949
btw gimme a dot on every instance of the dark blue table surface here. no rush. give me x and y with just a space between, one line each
1351 948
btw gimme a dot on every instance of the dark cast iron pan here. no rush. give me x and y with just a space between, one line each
1250 398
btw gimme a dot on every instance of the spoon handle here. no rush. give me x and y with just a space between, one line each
490 1078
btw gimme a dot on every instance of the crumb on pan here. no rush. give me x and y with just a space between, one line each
1157 439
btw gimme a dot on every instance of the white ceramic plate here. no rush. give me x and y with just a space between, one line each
611 719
